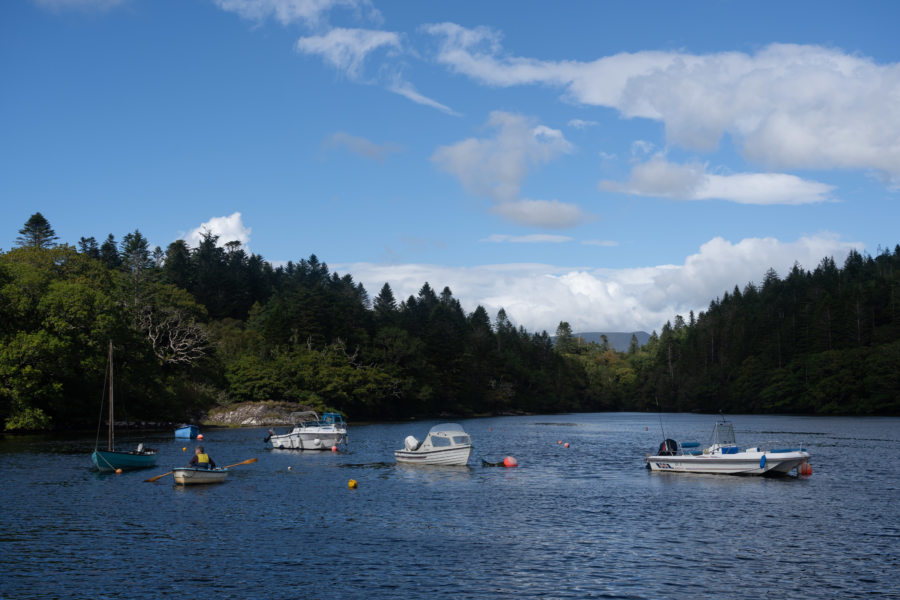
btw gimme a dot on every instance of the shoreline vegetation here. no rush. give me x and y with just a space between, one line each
203 330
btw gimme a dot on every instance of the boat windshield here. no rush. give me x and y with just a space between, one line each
723 434
461 439
448 429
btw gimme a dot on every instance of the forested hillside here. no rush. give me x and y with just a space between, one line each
199 327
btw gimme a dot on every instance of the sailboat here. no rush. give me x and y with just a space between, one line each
110 459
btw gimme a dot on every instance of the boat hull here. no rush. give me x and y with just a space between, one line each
194 476
309 440
458 456
108 460
187 432
743 463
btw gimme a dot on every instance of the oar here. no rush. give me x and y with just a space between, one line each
243 462
158 477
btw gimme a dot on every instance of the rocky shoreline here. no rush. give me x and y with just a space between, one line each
252 414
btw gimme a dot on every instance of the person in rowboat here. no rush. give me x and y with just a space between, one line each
202 460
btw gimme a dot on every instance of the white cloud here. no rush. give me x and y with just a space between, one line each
581 124
535 238
361 146
311 12
86 5
347 49
603 243
229 229
408 91
551 214
658 177
539 296
495 167
786 106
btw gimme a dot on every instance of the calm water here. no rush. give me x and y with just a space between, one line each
586 521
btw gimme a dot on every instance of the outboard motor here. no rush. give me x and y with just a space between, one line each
668 448
411 443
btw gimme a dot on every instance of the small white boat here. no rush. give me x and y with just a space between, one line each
311 432
195 475
446 444
723 456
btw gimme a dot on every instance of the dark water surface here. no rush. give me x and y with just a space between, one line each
586 521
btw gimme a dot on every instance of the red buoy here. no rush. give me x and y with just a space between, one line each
509 461
567 444
559 442
334 448
806 469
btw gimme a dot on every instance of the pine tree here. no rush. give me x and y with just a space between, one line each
37 233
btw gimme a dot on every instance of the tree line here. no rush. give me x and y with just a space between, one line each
211 325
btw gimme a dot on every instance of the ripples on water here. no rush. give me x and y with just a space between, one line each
581 522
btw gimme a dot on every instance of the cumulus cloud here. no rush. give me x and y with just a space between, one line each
229 229
539 296
361 146
658 177
310 12
495 167
785 106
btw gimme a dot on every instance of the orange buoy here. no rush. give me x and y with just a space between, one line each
352 484
567 444
199 436
184 449
509 461
118 471
334 448
806 469
559 442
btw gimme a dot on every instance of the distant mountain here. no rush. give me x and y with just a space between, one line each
618 340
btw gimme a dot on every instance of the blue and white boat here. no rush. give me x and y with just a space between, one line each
724 456
187 431
311 432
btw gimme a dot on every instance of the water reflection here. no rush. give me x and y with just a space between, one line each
577 522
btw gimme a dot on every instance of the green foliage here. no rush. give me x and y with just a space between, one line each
195 327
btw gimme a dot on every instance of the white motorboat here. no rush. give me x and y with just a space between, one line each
725 457
311 432
196 475
445 444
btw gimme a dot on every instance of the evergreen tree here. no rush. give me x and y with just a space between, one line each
89 247
109 253
385 305
36 233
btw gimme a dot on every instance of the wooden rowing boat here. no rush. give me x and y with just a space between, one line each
194 475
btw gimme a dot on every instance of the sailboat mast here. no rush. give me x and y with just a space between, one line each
110 439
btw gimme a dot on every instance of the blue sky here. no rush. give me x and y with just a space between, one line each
611 164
